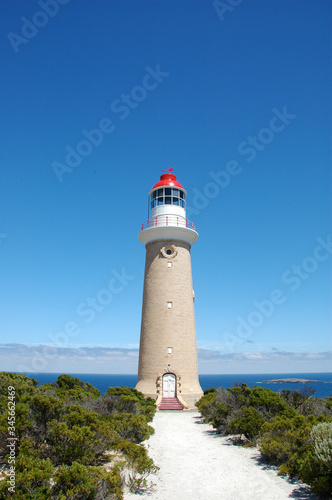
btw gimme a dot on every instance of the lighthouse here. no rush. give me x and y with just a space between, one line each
167 369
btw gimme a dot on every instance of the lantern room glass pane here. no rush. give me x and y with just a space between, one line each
167 196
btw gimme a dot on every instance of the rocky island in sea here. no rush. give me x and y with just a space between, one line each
292 381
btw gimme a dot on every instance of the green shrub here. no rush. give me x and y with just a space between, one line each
249 423
86 483
269 403
241 393
131 427
207 405
207 391
286 441
139 465
73 389
316 468
220 417
129 400
32 476
317 474
68 425
321 434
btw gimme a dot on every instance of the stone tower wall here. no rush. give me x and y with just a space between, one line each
164 328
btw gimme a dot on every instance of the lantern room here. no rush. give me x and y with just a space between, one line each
167 197
167 213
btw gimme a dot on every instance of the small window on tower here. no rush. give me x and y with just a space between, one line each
169 252
170 350
169 305
169 264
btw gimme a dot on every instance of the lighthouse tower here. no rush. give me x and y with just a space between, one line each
167 368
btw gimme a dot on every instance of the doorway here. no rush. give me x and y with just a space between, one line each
169 385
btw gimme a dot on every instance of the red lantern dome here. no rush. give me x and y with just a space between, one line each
167 180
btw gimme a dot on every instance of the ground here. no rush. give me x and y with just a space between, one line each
198 464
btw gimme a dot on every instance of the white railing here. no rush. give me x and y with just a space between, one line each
167 220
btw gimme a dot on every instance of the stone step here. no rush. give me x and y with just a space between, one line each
170 404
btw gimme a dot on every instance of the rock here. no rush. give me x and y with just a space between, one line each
291 381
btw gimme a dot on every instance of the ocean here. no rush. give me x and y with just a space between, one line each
102 382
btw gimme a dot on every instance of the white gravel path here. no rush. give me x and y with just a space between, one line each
197 464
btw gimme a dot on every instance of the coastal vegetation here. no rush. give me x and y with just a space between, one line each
65 441
291 429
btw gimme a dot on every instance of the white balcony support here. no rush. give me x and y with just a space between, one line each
170 232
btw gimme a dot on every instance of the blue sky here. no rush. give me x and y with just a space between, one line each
97 98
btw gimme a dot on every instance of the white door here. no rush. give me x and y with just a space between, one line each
169 385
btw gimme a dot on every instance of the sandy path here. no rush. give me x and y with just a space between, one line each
197 464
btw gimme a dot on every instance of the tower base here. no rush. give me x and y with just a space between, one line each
187 400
